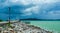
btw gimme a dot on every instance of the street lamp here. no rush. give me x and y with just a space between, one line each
9 16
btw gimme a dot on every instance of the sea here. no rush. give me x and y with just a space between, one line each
53 26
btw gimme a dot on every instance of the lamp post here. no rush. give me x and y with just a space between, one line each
9 16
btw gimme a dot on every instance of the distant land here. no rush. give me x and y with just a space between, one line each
41 19
35 19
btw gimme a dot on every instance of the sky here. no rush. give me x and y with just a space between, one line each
23 9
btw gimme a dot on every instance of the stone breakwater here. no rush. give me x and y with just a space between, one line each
21 27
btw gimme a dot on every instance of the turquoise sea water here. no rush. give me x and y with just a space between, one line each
48 25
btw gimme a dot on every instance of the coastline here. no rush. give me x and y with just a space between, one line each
32 28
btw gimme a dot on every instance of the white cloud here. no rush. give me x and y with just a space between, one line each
28 11
44 1
31 10
27 2
56 13
35 9
14 1
23 2
50 1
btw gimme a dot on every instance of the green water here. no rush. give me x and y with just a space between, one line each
48 25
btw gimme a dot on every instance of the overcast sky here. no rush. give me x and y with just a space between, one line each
41 9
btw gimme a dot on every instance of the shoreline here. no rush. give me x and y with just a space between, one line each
27 28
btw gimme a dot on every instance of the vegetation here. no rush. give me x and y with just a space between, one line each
1 20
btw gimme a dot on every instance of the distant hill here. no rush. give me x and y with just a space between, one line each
31 19
41 19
